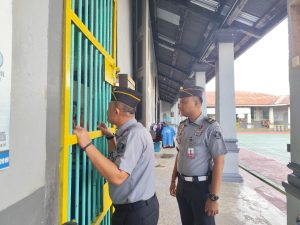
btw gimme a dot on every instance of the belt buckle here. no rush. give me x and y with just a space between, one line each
195 179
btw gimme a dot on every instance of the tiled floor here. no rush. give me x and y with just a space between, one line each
250 203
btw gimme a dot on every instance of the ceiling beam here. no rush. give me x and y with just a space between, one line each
254 32
233 13
167 88
262 21
173 67
171 93
236 8
168 80
187 5
168 84
166 95
192 54
168 98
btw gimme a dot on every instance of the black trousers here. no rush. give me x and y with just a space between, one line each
191 198
140 213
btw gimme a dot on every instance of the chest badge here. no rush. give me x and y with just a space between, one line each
181 129
199 131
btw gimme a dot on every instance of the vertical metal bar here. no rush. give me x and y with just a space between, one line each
85 109
110 26
71 113
83 206
115 30
100 25
91 24
91 21
105 24
96 174
99 187
92 100
78 113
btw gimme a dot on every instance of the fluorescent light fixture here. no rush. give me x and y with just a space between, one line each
168 16
166 47
247 19
207 4
165 38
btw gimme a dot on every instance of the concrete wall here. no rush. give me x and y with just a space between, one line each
124 37
29 188
147 72
165 110
177 117
281 115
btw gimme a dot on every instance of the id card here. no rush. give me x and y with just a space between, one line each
190 154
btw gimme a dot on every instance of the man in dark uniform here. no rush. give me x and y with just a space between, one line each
130 167
199 161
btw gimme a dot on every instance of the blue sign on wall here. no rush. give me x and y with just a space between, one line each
4 159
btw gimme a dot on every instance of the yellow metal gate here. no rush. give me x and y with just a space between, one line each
89 59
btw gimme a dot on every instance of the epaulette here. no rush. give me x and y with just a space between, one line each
183 121
210 120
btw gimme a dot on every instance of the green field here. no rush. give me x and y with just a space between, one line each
270 145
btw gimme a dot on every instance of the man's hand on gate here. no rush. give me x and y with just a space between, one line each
82 136
105 130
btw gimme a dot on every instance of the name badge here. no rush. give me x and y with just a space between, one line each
190 154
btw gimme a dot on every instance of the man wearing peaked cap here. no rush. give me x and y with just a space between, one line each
130 167
190 91
199 162
127 96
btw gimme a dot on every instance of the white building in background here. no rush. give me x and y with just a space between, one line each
256 110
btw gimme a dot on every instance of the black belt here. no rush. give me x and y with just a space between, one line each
134 205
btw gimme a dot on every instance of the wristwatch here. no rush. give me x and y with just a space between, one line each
110 137
213 197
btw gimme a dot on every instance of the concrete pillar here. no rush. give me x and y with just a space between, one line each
271 117
249 120
225 104
292 186
289 117
200 80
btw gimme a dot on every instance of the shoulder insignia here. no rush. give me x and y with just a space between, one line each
183 121
210 120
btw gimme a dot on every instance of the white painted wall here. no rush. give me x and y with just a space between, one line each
165 110
177 117
5 80
28 99
148 71
124 37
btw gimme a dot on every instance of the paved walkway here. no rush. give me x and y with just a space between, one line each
269 168
249 203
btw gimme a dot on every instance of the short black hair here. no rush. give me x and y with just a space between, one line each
199 98
124 107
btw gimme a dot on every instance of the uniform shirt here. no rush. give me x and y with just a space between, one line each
198 142
168 136
134 155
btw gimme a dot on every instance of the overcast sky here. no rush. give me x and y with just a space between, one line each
264 67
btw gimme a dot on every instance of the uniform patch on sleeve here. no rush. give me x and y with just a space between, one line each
210 120
121 147
217 134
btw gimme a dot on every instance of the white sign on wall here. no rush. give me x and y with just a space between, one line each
5 79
